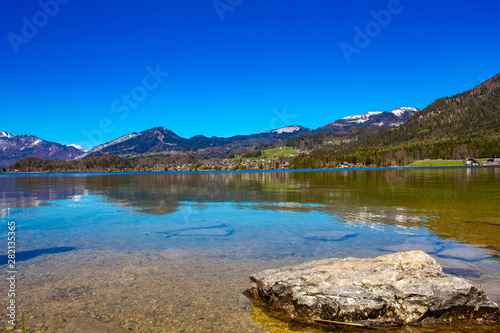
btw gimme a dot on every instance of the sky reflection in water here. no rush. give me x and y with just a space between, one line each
452 214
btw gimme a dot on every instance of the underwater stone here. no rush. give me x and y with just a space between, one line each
413 244
463 253
329 235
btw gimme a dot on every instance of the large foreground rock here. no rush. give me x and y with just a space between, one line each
391 290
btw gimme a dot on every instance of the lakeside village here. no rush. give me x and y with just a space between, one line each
282 163
279 159
274 159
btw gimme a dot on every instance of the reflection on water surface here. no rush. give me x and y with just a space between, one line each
173 252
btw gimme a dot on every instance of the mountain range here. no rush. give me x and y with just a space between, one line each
161 141
15 147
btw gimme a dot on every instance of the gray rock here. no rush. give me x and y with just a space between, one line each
332 235
394 289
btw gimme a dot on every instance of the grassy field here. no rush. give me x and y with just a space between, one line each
269 154
278 152
426 163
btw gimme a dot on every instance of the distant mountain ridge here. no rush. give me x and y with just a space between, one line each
15 147
160 140
287 129
375 118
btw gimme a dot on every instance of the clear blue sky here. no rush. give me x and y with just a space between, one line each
234 75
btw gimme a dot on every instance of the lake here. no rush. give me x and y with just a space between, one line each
172 252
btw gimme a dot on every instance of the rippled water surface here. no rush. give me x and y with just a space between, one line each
163 252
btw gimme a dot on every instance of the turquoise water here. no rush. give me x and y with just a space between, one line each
101 246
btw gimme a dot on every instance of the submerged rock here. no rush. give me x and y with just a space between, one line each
332 235
211 229
390 290
459 267
411 244
463 253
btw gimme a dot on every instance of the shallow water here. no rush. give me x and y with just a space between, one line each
163 252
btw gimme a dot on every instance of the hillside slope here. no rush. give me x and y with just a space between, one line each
88 164
473 113
464 125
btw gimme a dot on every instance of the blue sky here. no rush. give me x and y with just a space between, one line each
87 72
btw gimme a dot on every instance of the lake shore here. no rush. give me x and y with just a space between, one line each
254 171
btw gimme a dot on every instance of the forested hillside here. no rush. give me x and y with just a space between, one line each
472 114
88 164
457 127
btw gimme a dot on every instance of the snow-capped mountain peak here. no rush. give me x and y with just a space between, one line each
5 135
374 118
287 129
400 111
78 147
362 118
15 147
